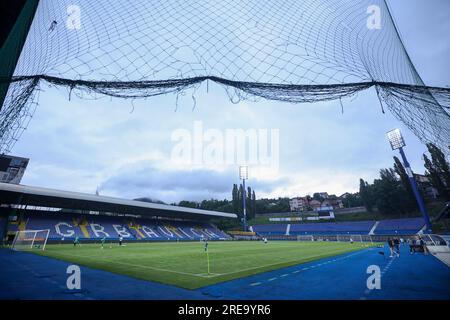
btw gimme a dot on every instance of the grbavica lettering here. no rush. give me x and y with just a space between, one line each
190 310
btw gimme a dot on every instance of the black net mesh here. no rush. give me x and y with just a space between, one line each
288 50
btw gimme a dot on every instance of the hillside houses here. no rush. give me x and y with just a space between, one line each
319 200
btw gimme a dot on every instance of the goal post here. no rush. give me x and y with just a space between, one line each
337 238
30 239
305 238
367 238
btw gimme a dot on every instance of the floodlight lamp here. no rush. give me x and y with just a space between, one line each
243 172
396 139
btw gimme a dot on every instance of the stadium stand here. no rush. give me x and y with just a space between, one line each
354 227
92 227
270 229
400 226
407 226
90 216
243 235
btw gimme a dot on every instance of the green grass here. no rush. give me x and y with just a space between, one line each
184 264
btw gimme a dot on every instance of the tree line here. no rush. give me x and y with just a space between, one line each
392 194
235 205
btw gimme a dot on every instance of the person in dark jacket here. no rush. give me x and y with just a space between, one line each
411 243
423 245
397 246
391 246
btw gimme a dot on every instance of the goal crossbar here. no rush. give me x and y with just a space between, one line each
336 237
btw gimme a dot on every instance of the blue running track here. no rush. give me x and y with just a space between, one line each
418 276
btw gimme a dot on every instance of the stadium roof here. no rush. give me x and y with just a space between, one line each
16 194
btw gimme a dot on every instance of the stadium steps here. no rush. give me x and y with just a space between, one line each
422 230
137 233
22 226
174 230
372 231
185 233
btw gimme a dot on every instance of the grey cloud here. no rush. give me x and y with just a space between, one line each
176 185
75 145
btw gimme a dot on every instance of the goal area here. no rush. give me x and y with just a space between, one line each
30 240
305 238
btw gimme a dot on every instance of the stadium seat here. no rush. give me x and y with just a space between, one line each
407 226
278 229
352 227
94 227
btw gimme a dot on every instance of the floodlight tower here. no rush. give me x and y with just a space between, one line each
243 175
396 140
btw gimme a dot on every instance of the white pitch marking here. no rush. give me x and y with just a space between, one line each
274 264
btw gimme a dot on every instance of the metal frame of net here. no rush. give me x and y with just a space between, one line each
284 50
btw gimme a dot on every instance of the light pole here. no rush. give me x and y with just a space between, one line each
396 140
243 175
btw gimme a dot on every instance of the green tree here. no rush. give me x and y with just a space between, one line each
401 172
248 203
240 202
389 193
188 204
352 200
438 170
366 194
235 198
318 197
253 204
433 175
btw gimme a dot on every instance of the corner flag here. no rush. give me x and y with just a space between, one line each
207 255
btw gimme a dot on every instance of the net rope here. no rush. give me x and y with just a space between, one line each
282 50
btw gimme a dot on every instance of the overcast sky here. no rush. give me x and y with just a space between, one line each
124 148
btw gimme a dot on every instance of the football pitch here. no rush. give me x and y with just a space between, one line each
185 264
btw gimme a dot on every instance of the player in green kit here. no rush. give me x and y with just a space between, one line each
76 242
103 241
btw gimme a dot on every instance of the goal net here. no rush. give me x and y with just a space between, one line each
367 238
30 239
350 238
305 238
283 50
